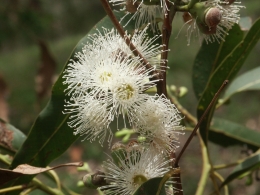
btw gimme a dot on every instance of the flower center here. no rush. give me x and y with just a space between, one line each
125 92
139 179
105 76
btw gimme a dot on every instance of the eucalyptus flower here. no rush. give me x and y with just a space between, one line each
89 117
133 169
159 121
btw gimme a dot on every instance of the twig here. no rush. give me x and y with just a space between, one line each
121 31
205 167
166 34
198 124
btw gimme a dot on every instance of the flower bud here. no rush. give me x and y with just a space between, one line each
213 17
94 181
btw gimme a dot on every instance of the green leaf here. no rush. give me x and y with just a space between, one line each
50 135
247 81
151 187
210 56
226 70
248 165
227 133
11 139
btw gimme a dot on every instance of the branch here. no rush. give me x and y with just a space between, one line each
128 42
200 121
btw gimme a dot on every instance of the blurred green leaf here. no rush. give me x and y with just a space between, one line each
50 135
226 70
210 56
247 81
11 139
227 133
249 164
151 187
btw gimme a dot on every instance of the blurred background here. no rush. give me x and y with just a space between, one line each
36 39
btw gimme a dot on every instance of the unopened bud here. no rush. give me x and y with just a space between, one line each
94 181
183 91
213 17
131 6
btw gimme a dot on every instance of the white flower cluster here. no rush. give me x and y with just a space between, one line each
105 81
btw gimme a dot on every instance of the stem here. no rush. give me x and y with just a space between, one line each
217 175
45 188
13 188
205 167
5 159
166 34
200 121
224 166
128 42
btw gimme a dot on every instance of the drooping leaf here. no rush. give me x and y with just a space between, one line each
226 70
50 135
227 133
210 56
247 81
249 164
24 169
11 139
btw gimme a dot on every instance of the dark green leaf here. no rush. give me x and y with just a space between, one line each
226 70
11 139
249 164
210 56
227 133
151 187
50 135
247 81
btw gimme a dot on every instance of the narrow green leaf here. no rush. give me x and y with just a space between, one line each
249 164
151 187
226 70
227 133
50 135
11 139
210 56
247 81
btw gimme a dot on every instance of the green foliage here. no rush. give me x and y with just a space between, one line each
50 135
226 133
248 81
248 165
226 70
